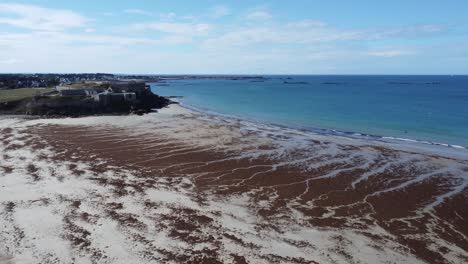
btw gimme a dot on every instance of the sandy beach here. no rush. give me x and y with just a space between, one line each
180 186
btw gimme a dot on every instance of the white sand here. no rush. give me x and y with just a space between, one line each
35 229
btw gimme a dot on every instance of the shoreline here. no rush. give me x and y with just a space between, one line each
416 119
396 143
426 147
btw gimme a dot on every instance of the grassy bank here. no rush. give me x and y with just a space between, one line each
23 93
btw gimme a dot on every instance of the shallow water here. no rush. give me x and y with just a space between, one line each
427 108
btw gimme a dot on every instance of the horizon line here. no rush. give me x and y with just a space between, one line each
249 74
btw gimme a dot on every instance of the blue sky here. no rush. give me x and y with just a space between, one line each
235 37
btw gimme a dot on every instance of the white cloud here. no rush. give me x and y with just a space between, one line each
258 15
63 40
261 44
220 11
389 53
137 12
108 14
307 24
9 61
407 32
168 16
188 29
305 32
430 28
39 18
64 52
310 32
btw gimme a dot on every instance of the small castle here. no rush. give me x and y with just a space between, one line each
115 92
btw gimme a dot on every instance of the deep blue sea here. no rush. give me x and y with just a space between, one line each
426 108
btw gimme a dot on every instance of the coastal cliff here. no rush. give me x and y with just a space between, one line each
75 104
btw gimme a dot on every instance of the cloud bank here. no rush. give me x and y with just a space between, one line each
41 39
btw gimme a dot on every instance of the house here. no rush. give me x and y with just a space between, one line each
116 93
68 91
139 88
108 98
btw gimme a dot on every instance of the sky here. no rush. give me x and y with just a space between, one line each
235 37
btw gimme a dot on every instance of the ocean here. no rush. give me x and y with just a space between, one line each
431 109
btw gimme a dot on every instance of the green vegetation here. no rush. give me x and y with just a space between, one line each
82 85
22 93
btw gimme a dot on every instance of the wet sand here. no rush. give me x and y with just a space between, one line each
184 187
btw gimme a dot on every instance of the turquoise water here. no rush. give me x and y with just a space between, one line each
426 108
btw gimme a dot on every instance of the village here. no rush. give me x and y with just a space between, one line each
107 93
